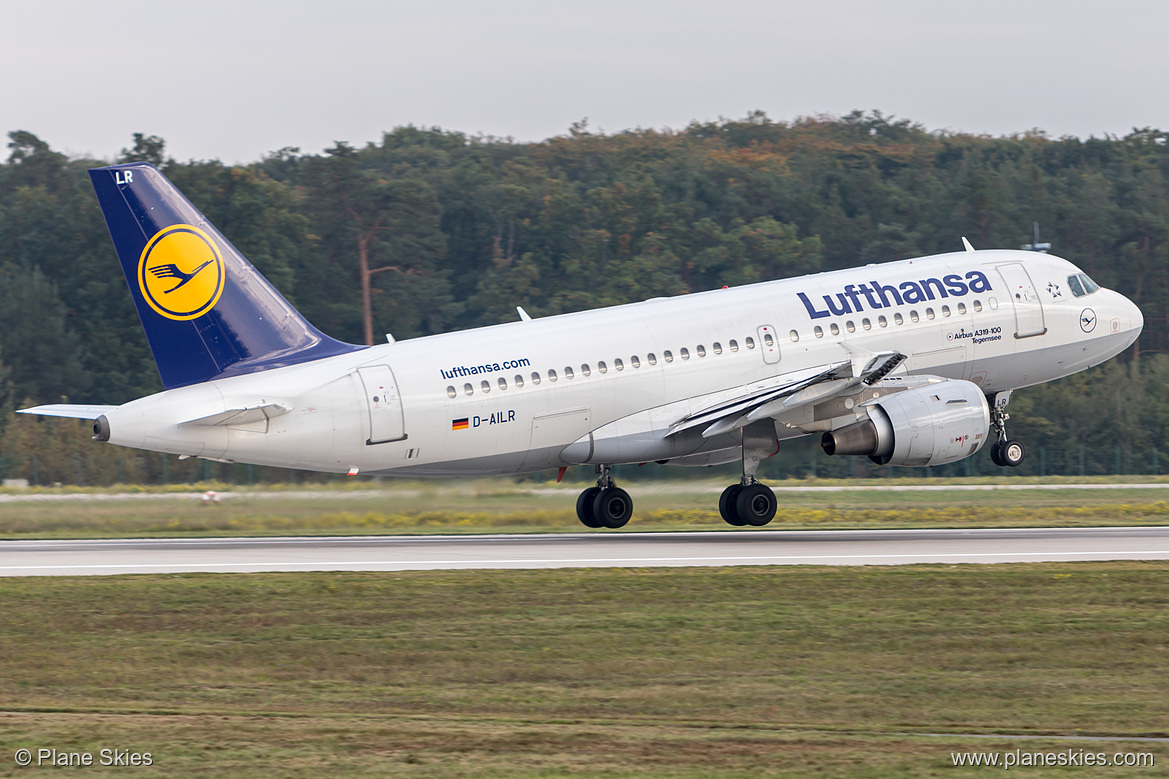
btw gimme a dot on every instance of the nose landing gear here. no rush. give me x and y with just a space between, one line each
1004 452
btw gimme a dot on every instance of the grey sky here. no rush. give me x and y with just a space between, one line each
236 79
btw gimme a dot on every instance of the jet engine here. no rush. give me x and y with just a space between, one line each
935 424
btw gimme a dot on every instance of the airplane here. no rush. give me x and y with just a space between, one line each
908 363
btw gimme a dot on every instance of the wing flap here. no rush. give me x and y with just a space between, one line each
778 394
756 395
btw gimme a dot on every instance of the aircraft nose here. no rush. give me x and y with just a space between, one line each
1135 317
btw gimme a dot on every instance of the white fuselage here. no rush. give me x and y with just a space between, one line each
619 377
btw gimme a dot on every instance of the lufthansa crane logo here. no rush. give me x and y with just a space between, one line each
181 272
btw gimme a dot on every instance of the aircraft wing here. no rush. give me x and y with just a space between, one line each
787 391
67 410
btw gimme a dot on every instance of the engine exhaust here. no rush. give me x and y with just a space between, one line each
872 438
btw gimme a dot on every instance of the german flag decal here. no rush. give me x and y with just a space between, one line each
459 424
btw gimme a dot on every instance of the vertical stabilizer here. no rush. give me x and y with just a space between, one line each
206 311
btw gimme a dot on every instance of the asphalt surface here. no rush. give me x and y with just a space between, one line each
581 550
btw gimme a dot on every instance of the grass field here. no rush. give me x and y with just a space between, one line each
734 672
502 506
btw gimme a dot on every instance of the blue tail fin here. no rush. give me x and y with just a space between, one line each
206 311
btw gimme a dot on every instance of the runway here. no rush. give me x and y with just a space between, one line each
580 550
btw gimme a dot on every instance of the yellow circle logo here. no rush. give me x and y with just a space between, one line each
181 272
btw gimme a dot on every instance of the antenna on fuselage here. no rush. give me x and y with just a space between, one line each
524 315
966 243
1035 246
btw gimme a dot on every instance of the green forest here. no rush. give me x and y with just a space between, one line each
454 231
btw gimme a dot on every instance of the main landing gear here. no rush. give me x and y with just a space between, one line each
605 505
749 502
1004 452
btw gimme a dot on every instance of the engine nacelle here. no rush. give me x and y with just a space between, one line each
932 425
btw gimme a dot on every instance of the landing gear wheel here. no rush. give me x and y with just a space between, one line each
756 505
1012 453
996 454
584 508
726 505
612 507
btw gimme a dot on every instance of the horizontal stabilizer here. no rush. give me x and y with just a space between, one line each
242 416
67 410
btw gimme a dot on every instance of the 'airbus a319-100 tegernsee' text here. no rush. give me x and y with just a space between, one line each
906 363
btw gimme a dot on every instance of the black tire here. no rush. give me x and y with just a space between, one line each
1012 453
613 507
584 508
996 454
726 505
756 505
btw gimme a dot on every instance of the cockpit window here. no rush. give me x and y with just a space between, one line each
1082 285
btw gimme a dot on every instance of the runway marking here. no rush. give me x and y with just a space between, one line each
1142 555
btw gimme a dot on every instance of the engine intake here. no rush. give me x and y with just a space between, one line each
931 425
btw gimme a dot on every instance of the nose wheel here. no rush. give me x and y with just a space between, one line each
1008 453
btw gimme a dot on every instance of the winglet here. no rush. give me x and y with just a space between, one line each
966 243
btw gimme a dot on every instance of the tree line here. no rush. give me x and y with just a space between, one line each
428 230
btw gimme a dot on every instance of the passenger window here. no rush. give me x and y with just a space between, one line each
794 336
653 358
551 375
835 328
882 321
519 381
961 308
819 331
618 364
750 342
850 326
1077 287
468 389
450 392
485 385
568 372
945 310
734 346
913 317
898 319
635 361
602 367
668 355
978 305
929 313
584 369
535 378
767 339
866 324
502 383
701 350
718 348
684 353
